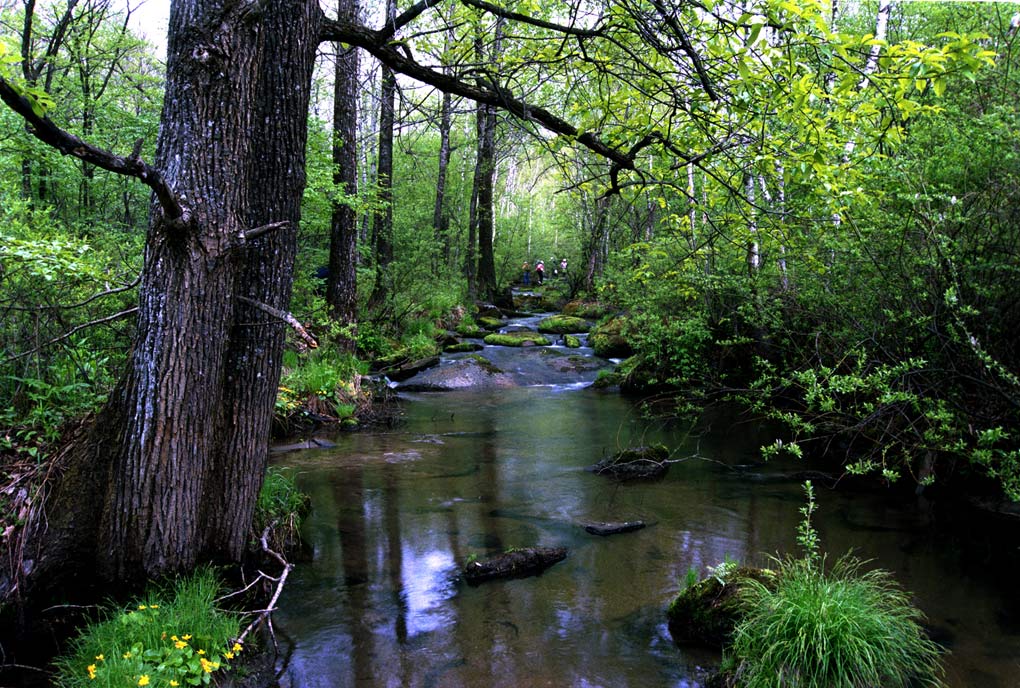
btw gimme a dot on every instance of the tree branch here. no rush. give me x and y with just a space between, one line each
45 130
248 234
73 330
263 614
369 41
525 19
285 317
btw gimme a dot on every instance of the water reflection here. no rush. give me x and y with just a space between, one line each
397 514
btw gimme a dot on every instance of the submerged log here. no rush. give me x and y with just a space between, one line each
604 529
516 563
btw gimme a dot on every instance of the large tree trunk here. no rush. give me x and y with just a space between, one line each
342 289
169 473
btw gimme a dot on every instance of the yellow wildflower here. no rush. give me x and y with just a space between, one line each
237 647
187 637
180 644
100 657
141 607
228 654
174 638
92 671
127 655
201 652
207 666
174 683
153 606
143 680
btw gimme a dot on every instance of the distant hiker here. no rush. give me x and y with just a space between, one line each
563 267
527 273
540 272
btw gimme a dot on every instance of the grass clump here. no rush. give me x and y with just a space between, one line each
281 507
171 637
837 628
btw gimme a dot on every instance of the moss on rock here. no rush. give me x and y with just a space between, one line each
571 342
524 338
563 324
592 310
707 612
608 341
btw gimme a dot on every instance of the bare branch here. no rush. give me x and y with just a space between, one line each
49 133
248 234
108 292
264 614
285 317
73 330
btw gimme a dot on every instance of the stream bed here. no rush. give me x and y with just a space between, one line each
397 513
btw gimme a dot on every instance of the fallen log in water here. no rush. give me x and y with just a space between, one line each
515 563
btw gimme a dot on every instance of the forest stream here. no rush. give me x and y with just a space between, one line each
397 513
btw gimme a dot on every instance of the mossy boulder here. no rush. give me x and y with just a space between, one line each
608 341
707 612
523 338
591 310
563 324
470 329
608 379
635 463
490 323
470 372
571 342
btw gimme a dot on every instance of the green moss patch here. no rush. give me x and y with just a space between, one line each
517 339
563 324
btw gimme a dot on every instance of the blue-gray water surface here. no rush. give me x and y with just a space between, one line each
397 513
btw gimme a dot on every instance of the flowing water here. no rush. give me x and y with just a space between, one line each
396 514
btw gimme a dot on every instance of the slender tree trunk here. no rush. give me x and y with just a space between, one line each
440 225
342 288
485 172
382 227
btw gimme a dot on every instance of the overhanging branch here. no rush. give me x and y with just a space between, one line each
373 43
45 130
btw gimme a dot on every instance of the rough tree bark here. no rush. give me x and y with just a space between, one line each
168 473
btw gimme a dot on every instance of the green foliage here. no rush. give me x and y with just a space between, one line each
171 637
327 375
48 278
